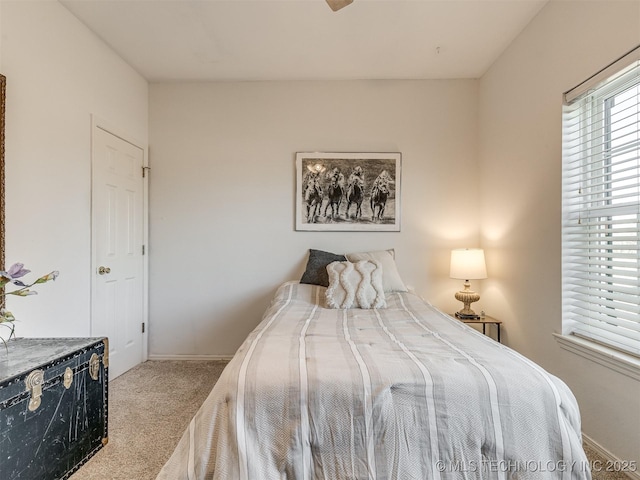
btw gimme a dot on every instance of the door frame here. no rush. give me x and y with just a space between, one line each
100 123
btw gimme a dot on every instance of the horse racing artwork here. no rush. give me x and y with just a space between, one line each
348 191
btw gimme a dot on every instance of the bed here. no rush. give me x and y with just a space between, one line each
402 392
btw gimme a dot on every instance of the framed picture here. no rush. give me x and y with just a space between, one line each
348 191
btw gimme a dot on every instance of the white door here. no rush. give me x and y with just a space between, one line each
117 242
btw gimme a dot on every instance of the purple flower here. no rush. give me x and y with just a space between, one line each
16 271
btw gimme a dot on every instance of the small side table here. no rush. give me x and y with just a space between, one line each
484 321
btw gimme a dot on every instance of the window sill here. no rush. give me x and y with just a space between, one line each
620 362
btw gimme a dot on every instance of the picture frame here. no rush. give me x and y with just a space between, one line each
344 191
3 89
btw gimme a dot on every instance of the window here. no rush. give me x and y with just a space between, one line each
601 207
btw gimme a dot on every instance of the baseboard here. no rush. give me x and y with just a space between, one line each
189 357
611 458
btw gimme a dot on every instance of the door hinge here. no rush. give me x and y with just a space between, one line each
143 249
144 171
142 327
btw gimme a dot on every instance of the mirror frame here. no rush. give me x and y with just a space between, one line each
3 88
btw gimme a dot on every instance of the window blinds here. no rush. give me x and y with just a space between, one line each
601 207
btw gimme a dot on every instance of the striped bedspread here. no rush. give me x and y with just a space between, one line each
405 392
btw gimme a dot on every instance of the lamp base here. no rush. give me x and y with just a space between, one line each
467 297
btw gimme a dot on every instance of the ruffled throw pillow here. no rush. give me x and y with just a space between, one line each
355 285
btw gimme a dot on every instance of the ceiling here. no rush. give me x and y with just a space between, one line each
211 40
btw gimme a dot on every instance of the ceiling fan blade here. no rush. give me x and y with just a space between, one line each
338 4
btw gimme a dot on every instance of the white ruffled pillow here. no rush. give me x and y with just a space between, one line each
355 285
391 280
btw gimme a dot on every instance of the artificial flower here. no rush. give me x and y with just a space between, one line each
15 271
12 275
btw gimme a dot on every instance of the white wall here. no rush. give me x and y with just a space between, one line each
58 75
222 193
520 159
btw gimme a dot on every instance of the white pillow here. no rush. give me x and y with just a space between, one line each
391 281
355 285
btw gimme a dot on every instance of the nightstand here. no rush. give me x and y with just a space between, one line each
484 321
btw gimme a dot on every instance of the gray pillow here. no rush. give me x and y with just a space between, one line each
316 271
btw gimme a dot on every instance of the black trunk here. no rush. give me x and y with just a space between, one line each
51 437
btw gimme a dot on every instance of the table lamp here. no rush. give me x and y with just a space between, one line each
467 264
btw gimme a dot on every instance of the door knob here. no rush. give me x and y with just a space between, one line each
104 270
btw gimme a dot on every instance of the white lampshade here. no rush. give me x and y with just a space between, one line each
468 264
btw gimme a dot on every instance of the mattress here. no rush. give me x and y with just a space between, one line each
405 392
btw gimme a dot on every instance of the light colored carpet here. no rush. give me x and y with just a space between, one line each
149 408
603 470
